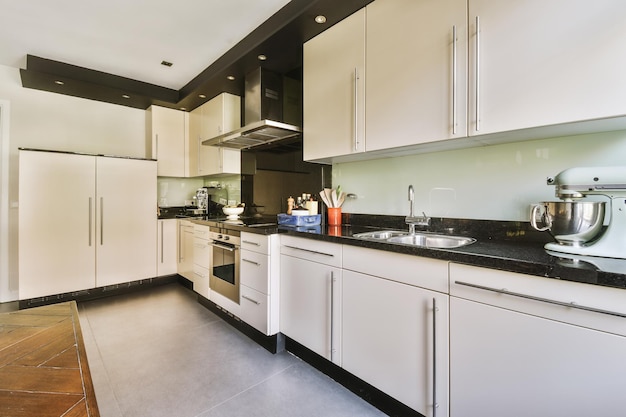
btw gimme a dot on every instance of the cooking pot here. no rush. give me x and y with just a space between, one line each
571 223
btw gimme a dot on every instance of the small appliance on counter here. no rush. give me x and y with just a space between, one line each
576 222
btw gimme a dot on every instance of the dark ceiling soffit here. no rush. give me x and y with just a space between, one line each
42 74
280 38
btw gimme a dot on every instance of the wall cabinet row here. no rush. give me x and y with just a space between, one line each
76 230
402 72
176 138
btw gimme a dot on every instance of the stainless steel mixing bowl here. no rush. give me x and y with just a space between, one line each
571 223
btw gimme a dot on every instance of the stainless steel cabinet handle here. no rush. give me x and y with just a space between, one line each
332 314
543 300
180 243
161 242
248 242
356 109
309 250
101 220
435 405
454 80
90 219
250 262
251 300
477 75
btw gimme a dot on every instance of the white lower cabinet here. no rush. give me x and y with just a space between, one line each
394 334
260 282
520 357
166 247
202 254
310 295
185 249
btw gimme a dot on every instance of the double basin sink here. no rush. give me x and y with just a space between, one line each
421 239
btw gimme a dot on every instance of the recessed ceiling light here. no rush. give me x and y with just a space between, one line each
125 96
320 19
183 108
201 96
262 57
59 82
167 64
231 78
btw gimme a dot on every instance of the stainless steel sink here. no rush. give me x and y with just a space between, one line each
381 235
432 241
426 240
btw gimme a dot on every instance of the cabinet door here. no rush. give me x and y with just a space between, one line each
126 229
334 94
310 298
515 364
390 331
219 115
541 63
57 238
168 136
185 249
416 72
166 247
194 142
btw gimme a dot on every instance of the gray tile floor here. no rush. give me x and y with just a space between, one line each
160 353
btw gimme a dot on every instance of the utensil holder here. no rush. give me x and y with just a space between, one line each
334 216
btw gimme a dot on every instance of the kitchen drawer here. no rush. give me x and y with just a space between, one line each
201 280
312 250
256 243
255 270
427 273
585 305
254 308
202 252
201 232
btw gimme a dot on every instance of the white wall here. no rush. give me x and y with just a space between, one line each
496 182
52 121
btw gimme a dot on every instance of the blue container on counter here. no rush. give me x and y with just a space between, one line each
299 221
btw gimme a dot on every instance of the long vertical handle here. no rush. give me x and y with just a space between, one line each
454 80
180 242
90 218
332 314
356 109
477 75
101 220
161 241
435 405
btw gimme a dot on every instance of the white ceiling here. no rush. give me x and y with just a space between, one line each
129 38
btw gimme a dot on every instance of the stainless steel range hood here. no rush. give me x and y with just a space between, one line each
269 113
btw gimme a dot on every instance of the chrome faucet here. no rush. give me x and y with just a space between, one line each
411 219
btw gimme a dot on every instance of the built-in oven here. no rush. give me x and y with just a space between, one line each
224 277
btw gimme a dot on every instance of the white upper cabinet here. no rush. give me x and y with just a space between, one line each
416 65
215 117
427 75
537 63
167 131
334 93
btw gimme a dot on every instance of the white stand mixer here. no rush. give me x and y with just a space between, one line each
576 183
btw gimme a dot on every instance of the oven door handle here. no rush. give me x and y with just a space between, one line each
225 247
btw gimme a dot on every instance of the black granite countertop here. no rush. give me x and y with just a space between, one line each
507 246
